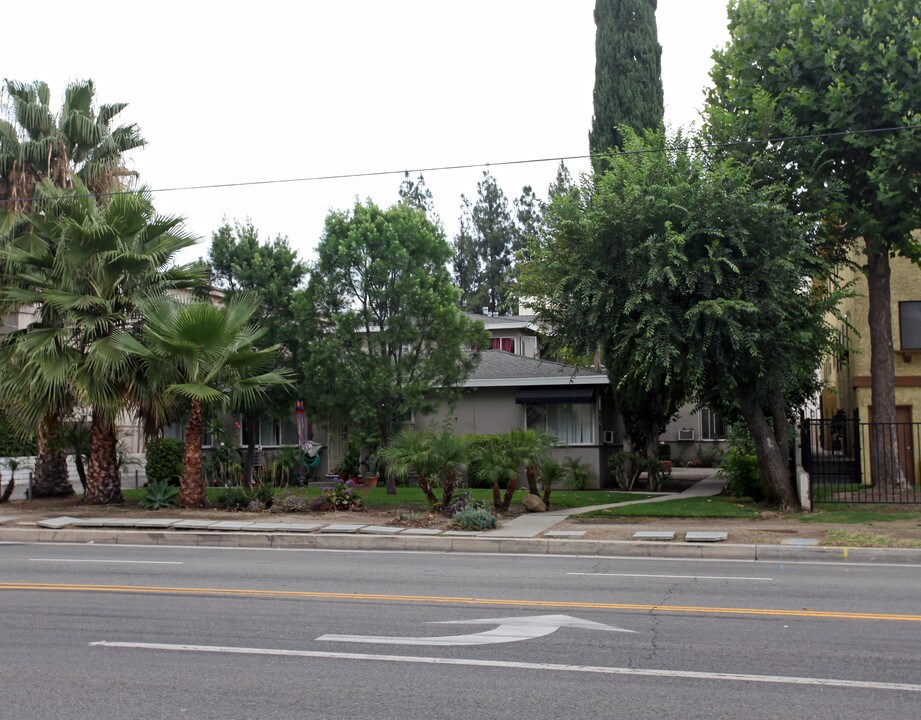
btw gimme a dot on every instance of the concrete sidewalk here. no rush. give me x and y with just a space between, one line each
532 525
529 534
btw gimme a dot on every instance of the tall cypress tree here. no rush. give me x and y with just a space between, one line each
628 72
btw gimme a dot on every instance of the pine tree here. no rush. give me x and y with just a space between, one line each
628 72
484 250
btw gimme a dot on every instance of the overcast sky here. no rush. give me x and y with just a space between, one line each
234 92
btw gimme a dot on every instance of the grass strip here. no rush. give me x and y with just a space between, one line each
696 507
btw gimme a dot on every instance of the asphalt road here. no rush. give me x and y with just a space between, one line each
172 632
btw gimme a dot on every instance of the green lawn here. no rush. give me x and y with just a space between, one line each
857 514
696 507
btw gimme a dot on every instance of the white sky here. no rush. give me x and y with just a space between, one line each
235 91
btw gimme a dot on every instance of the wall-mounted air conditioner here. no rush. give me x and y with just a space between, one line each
686 434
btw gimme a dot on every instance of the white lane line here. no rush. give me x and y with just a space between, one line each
599 670
129 562
681 577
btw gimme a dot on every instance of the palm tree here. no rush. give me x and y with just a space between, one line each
407 453
206 354
86 266
35 144
532 448
492 460
79 141
441 457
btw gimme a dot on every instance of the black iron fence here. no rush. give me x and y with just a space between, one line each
850 461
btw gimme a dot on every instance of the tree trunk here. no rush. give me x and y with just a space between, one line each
252 426
531 474
496 497
509 492
653 468
9 489
548 488
50 476
772 461
192 486
424 486
81 470
884 448
103 486
447 492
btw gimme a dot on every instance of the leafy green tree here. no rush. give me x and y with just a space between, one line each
693 273
628 73
818 70
271 271
206 354
386 336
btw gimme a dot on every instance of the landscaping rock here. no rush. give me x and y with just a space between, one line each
532 503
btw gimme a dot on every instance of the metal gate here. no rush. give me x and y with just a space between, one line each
838 455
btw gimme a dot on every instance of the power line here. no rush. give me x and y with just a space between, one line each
507 163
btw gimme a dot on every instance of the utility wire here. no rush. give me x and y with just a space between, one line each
506 163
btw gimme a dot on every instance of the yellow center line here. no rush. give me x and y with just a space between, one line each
571 604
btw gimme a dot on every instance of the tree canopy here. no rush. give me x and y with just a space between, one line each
844 78
385 336
694 278
628 73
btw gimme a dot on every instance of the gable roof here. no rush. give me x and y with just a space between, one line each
498 368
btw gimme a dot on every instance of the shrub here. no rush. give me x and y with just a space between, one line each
291 502
164 460
259 497
577 473
341 496
740 466
465 501
160 494
624 466
475 519
665 451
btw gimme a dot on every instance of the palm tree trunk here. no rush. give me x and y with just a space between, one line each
509 492
426 488
9 489
192 486
50 476
103 485
447 492
531 474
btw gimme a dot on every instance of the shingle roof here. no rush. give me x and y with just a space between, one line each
498 368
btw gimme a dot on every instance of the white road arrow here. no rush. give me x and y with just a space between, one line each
511 629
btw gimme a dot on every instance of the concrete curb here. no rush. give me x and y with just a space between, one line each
496 545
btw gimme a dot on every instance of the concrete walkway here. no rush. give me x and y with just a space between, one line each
531 525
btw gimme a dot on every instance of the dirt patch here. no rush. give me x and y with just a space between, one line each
756 532
28 512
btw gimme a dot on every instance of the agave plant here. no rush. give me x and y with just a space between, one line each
160 494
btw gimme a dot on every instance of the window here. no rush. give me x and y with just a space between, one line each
569 423
712 426
506 344
910 325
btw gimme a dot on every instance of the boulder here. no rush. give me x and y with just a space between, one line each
533 503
